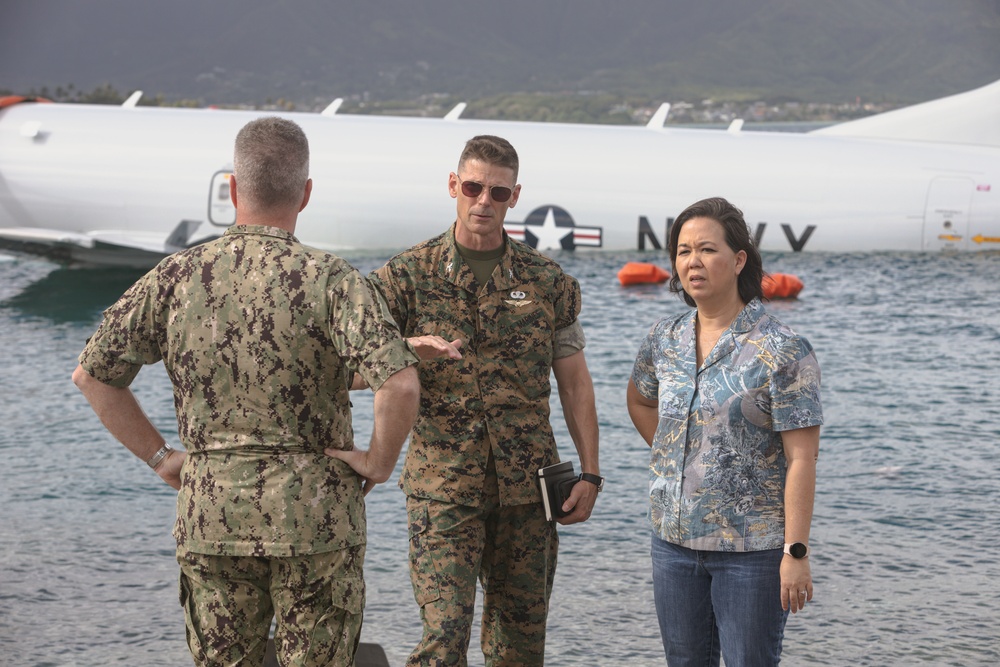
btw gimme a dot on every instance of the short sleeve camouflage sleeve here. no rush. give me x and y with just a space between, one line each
569 338
126 339
384 285
569 341
362 327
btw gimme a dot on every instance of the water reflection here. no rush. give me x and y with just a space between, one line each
65 294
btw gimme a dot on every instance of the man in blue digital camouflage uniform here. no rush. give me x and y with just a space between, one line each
260 335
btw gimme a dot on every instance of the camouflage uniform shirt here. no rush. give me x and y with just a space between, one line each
497 396
259 336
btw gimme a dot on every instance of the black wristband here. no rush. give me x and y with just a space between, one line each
596 480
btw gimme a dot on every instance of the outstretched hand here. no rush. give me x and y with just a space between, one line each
432 347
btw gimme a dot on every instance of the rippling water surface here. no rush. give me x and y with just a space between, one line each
906 540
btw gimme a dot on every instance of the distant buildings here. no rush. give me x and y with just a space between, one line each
711 112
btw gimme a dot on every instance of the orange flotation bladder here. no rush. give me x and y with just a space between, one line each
640 273
781 286
11 100
775 285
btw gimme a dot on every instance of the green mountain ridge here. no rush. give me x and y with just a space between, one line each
310 51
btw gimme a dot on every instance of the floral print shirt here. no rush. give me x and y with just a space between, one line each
717 464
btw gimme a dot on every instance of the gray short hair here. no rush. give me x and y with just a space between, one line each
271 162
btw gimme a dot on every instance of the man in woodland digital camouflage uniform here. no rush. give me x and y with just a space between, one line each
259 336
489 317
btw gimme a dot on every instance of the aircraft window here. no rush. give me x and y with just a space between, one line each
223 192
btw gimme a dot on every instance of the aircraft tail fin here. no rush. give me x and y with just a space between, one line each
971 117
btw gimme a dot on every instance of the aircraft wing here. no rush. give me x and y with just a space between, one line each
104 247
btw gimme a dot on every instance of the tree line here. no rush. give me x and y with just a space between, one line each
588 108
102 94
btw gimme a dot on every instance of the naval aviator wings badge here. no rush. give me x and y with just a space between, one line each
517 299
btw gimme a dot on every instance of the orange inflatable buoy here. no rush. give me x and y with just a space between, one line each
640 273
11 100
781 286
774 285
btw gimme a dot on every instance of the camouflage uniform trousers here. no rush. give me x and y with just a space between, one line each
229 602
511 550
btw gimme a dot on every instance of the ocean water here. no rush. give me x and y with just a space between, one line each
905 538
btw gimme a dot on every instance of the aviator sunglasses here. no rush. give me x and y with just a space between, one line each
498 193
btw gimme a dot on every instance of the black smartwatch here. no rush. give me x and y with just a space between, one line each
596 480
797 550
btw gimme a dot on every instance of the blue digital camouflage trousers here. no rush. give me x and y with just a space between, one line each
510 550
317 600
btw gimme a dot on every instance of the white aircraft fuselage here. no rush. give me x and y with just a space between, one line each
127 185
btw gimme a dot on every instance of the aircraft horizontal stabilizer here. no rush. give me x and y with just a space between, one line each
966 118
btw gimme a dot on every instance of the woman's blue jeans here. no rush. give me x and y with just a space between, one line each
712 602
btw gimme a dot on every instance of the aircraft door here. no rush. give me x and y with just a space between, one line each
946 217
220 206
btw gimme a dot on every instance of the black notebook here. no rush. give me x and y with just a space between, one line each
556 482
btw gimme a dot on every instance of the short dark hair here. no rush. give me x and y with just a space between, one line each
491 150
271 162
737 238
